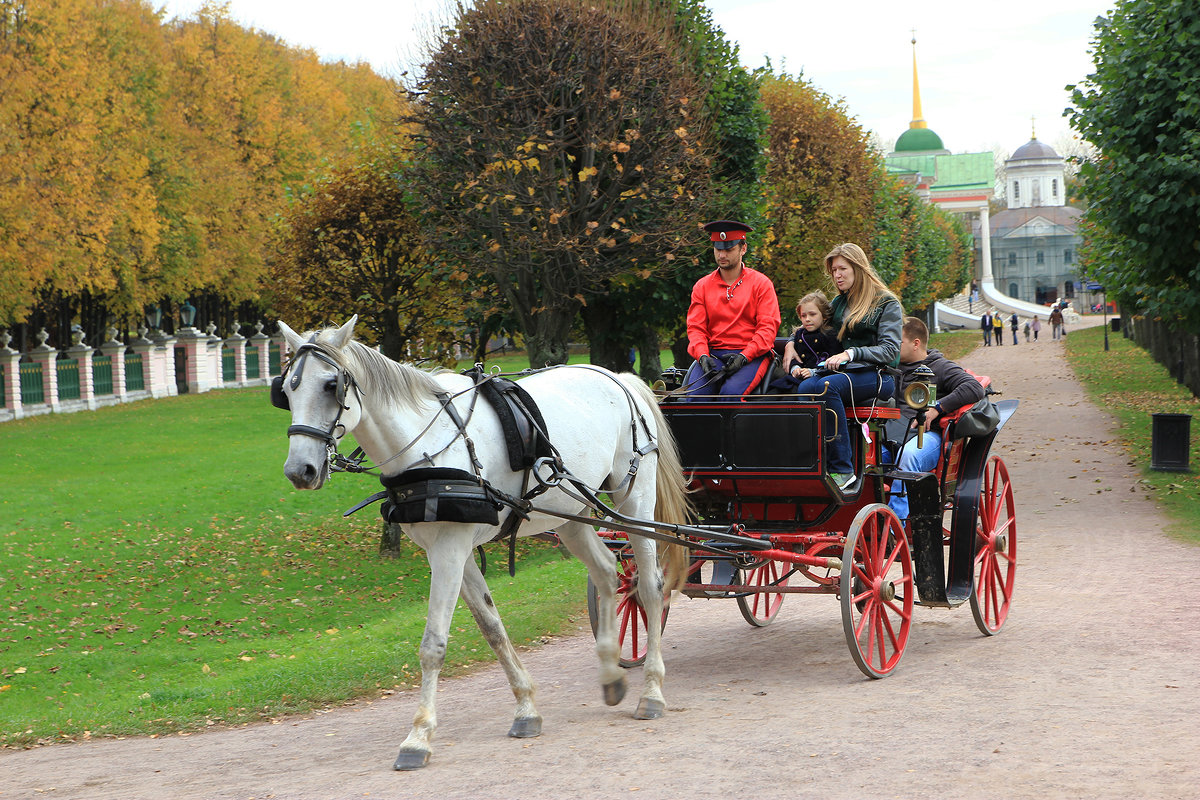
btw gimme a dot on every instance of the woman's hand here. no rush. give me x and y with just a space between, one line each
800 373
836 360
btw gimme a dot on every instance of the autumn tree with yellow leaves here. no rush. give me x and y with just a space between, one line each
147 161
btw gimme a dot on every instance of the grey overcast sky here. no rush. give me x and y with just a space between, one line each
990 75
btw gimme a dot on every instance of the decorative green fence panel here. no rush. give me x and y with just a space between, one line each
228 365
135 380
102 377
251 363
33 391
68 379
273 358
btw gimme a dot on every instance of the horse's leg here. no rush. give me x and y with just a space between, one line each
527 723
585 545
650 593
447 553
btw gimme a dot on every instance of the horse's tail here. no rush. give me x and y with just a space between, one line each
671 503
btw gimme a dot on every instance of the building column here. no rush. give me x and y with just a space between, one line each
985 233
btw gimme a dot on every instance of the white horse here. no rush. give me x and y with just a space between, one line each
405 418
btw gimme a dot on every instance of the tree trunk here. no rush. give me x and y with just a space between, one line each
679 349
650 367
548 335
608 344
391 540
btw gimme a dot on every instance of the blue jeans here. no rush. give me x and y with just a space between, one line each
853 387
736 384
913 459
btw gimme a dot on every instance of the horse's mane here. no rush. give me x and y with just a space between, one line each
381 378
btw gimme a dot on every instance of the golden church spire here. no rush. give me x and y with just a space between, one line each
918 121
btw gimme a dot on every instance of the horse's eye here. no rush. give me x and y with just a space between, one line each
331 386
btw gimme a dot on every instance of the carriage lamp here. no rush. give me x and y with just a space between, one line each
153 316
187 313
921 391
919 394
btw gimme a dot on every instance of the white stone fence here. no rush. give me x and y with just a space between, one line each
46 380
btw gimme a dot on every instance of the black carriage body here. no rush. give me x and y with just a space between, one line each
761 464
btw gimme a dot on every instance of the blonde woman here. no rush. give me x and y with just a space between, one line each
867 318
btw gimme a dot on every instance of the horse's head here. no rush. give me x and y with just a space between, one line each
323 398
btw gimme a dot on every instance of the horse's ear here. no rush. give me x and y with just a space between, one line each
293 339
344 334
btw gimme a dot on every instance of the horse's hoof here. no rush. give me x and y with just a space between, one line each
411 759
614 692
526 728
650 709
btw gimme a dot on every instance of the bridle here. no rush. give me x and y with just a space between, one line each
345 381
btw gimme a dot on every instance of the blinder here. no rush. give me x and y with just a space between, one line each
295 367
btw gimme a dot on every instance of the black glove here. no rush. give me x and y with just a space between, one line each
735 362
709 365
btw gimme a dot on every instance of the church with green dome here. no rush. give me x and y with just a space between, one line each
961 183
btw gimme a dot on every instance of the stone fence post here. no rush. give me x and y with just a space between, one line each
47 356
10 360
115 350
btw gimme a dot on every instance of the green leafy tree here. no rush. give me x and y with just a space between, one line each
560 149
1141 109
641 312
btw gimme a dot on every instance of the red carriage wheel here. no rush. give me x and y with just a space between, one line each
760 608
877 590
995 549
631 617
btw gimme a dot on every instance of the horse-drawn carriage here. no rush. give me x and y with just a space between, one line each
778 524
574 448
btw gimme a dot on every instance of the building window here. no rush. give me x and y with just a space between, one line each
1041 257
1054 189
1012 259
1016 191
1012 290
1066 256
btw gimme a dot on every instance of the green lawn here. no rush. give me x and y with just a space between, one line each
1130 385
159 573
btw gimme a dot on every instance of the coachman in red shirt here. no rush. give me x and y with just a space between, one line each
732 320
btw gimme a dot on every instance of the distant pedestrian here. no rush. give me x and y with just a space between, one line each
1037 326
1015 323
1027 331
985 325
1056 324
998 328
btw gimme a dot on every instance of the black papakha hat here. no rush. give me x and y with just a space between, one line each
725 233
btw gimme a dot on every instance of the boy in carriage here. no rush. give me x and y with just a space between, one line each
955 388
